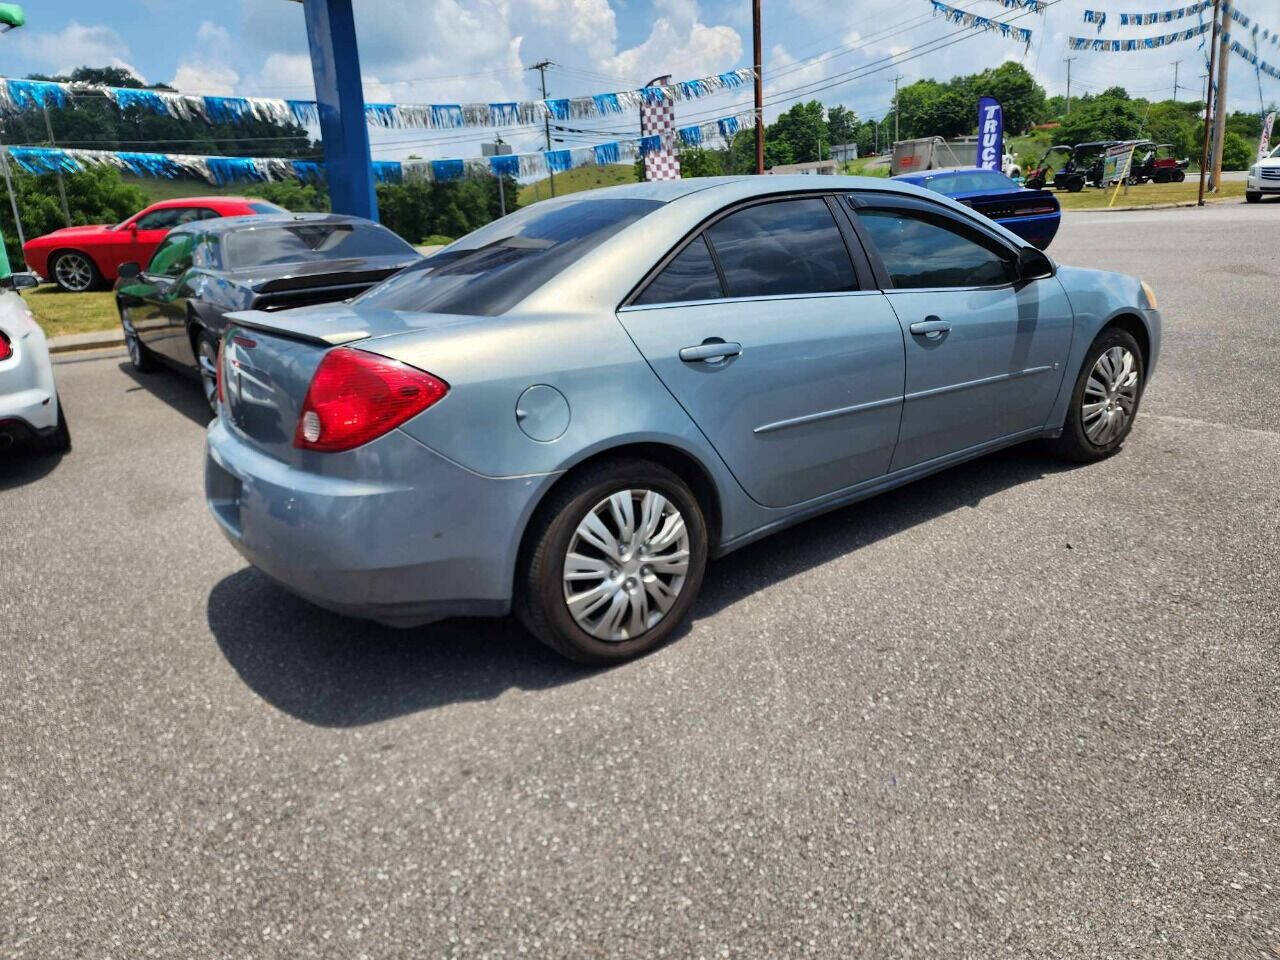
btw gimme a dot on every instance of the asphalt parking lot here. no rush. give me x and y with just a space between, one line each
1013 710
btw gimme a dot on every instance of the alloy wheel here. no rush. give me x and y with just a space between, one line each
73 272
1110 396
207 355
626 564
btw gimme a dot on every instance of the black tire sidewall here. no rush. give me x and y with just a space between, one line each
546 613
1078 444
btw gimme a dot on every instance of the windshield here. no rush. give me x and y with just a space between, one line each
969 181
491 270
1274 154
310 241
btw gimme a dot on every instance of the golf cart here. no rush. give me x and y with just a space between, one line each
1067 178
1090 159
1157 163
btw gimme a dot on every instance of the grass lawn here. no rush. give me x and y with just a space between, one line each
59 312
1148 194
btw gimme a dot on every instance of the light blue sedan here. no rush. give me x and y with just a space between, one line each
569 411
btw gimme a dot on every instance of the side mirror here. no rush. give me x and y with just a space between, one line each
21 281
133 227
1033 264
129 271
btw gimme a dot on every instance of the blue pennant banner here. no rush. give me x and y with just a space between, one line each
1260 65
19 95
1103 45
1021 34
1099 17
225 170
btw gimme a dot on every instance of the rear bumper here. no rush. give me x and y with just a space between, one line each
27 392
433 541
1038 230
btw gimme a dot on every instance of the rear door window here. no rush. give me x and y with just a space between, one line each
782 247
691 275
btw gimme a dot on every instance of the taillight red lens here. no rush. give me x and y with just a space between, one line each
222 344
356 396
6 348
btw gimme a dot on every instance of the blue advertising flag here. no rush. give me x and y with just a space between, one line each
990 134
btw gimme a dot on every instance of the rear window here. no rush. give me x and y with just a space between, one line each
491 270
969 181
305 242
261 206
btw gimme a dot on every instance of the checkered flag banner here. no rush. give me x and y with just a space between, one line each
658 118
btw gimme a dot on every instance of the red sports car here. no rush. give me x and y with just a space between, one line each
82 258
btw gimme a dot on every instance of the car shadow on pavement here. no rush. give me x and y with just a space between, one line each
20 466
335 671
173 387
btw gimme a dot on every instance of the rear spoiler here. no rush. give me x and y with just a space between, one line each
328 331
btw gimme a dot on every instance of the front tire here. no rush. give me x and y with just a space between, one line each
75 272
613 562
1252 196
1105 400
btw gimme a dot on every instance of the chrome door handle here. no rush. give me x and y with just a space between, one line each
930 327
710 351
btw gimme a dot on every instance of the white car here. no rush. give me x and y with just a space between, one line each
1264 177
30 412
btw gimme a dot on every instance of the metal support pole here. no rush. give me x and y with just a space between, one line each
896 136
541 67
758 63
335 65
1208 103
1175 80
62 187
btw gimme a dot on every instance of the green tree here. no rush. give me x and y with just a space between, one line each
842 125
797 136
928 108
1102 118
1237 152
701 162
1011 83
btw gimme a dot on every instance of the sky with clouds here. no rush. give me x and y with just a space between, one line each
460 50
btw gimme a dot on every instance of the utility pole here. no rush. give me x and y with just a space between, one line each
1220 99
895 107
759 68
1175 80
1208 103
1068 63
541 67
62 187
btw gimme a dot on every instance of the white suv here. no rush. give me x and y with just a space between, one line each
1264 177
30 412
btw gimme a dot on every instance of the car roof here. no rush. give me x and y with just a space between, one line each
188 201
937 171
257 221
665 191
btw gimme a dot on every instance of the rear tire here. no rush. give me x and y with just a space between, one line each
623 588
205 346
142 359
1075 184
75 272
1105 400
1178 176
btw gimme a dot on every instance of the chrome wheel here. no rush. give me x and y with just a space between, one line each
207 357
132 345
74 272
626 564
1110 396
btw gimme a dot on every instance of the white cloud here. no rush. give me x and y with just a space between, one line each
76 45
679 44
208 72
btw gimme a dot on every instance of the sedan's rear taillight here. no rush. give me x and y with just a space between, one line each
357 396
6 348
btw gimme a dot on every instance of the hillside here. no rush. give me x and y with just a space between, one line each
582 178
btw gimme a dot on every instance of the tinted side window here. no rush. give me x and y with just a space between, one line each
922 251
690 276
786 247
161 219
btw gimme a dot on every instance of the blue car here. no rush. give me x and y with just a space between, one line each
1033 215
568 412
